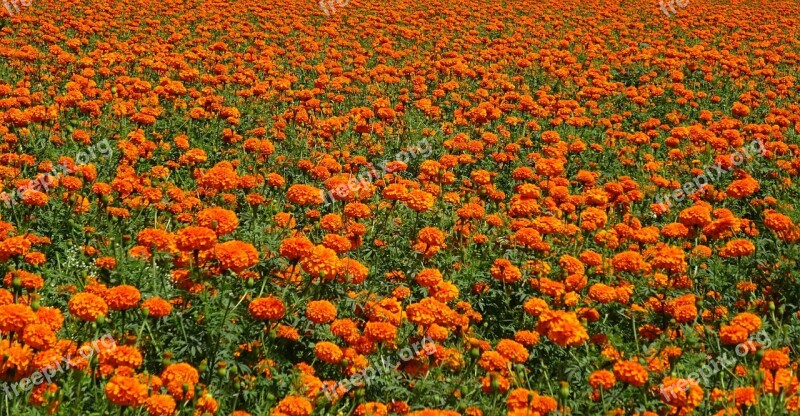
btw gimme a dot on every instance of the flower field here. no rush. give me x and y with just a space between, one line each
367 208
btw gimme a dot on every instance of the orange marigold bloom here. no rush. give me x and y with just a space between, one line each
301 194
628 261
352 271
748 321
35 258
337 243
774 360
221 177
602 293
493 361
512 350
14 246
154 238
698 215
293 406
195 238
236 255
221 220
420 201
505 272
122 297
175 376
563 328
527 338
38 336
160 405
157 307
30 281
6 297
744 396
267 309
294 248
371 409
87 306
328 352
428 277
631 372
535 306
357 210
742 188
602 379
778 222
380 331
51 317
681 393
108 263
321 262
737 248
206 405
320 311
732 334
125 391
527 402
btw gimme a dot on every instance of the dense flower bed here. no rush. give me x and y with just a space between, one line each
399 207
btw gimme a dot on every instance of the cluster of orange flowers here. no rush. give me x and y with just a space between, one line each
224 245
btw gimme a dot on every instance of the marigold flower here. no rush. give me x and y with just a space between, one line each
267 309
732 334
294 406
748 321
87 306
563 328
322 262
320 311
38 336
737 248
294 248
301 194
236 255
602 293
328 352
30 281
156 307
631 372
125 391
221 220
380 331
505 272
628 261
774 360
122 297
160 405
512 350
195 238
178 376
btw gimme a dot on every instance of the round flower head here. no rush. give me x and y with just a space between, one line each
221 220
122 297
195 238
320 311
267 309
87 306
